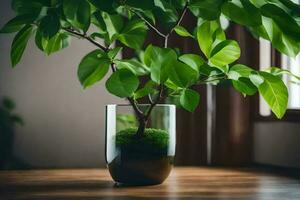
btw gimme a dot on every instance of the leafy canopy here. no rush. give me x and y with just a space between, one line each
168 72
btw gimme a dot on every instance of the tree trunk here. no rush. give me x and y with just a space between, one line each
141 130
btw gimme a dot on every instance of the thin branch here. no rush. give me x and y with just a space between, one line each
177 24
150 98
148 23
153 104
112 66
180 18
87 38
208 81
166 41
138 112
166 37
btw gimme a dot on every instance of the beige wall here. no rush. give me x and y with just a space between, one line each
64 123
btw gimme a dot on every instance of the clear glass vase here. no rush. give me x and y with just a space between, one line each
144 160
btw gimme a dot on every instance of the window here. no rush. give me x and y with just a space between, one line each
265 59
269 57
292 64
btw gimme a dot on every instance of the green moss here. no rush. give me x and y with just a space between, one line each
153 141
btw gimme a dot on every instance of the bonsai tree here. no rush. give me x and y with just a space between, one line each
169 73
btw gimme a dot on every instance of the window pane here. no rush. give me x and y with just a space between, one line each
292 64
264 63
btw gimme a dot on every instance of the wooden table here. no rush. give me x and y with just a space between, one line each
183 183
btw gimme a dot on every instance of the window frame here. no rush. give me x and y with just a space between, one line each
291 115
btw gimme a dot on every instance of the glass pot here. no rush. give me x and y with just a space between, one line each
143 160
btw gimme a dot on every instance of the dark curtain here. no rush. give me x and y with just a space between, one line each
232 139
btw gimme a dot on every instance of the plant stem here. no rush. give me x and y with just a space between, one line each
148 23
207 81
150 98
141 129
138 112
180 18
144 121
154 103
82 35
165 36
166 41
141 116
136 109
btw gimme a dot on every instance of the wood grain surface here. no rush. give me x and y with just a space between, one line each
183 183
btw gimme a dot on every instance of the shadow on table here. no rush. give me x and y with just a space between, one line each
93 190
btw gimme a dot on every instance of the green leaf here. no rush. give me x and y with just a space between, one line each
192 60
29 6
224 53
114 52
166 13
283 37
105 37
169 84
160 62
78 13
239 70
245 86
17 23
182 31
114 24
208 70
149 15
205 36
242 12
39 40
17 119
149 88
49 26
278 72
19 44
8 104
284 21
122 83
189 99
134 34
280 40
93 67
97 20
206 9
103 5
133 65
292 6
56 43
275 93
140 5
182 75
256 79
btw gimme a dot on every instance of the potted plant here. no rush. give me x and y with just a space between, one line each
140 138
8 121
